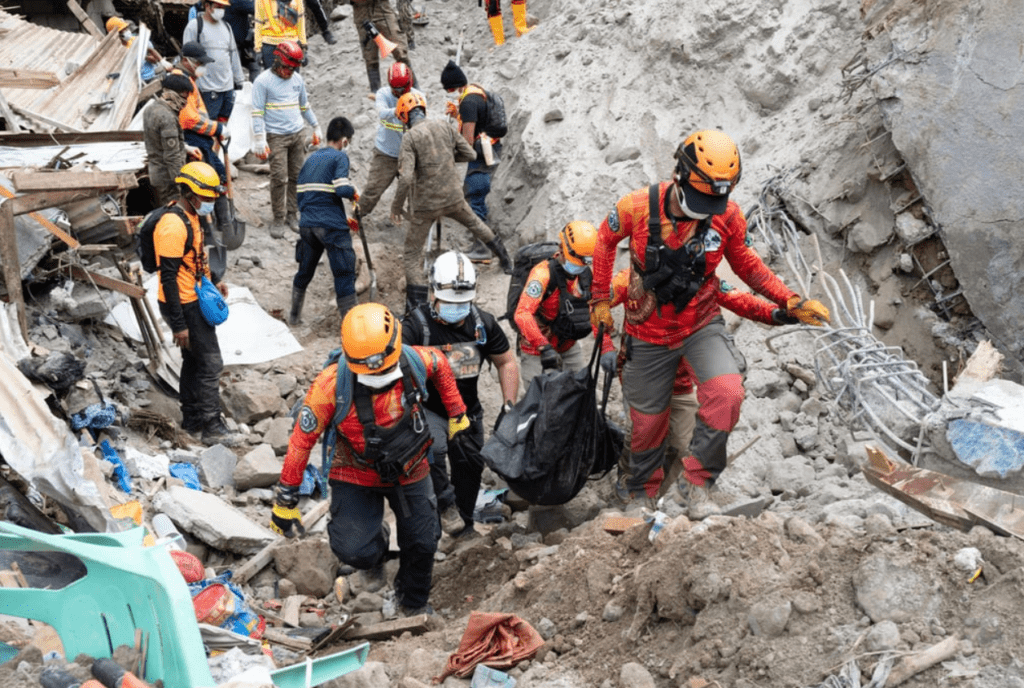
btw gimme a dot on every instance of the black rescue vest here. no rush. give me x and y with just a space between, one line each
388 450
673 276
573 319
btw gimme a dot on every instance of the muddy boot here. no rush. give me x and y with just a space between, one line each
374 75
298 297
478 253
415 294
498 249
329 37
346 303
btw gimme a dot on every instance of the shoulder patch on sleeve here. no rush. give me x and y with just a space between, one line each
534 289
307 419
613 220
725 287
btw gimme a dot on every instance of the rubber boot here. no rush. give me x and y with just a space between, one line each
373 72
478 253
498 249
222 212
298 297
346 303
415 295
329 37
519 17
497 29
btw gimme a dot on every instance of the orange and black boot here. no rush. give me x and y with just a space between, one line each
519 16
494 19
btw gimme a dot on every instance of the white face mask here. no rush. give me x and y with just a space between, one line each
380 381
200 71
681 197
217 13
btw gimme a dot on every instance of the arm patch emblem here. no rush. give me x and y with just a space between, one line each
534 289
613 220
307 420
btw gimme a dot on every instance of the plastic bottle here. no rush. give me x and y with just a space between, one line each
166 533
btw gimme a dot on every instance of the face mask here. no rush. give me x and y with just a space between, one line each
452 313
205 208
217 13
126 36
380 381
681 197
200 71
572 268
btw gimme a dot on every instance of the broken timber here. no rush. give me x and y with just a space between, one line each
26 182
84 19
389 629
27 78
950 501
127 288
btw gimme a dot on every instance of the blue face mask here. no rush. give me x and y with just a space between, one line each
572 268
205 208
452 313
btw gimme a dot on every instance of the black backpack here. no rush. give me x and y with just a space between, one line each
144 247
497 121
526 257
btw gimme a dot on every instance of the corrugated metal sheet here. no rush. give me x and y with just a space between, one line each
92 72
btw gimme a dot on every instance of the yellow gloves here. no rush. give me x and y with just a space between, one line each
807 311
285 517
601 312
457 425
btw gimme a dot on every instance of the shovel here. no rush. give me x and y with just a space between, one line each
235 235
369 260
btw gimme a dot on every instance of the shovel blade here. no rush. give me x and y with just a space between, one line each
235 235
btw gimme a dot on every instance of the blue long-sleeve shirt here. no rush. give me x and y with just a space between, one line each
390 130
322 183
279 105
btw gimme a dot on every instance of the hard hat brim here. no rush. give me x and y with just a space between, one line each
705 204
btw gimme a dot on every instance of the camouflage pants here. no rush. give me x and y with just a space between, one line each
419 226
383 17
405 15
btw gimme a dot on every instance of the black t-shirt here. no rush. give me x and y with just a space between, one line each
465 346
473 108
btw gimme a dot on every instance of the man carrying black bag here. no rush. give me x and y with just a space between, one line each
467 336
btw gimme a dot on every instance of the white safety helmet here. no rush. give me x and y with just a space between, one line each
453 278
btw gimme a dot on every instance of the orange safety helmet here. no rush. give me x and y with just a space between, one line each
407 103
578 240
371 337
708 168
290 53
400 77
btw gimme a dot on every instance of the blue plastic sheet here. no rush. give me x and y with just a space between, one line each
243 620
312 480
186 473
124 481
94 416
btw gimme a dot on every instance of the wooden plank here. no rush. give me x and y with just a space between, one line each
47 199
389 629
27 182
27 78
85 20
290 609
250 568
43 119
12 267
148 91
132 290
8 115
46 224
32 140
282 638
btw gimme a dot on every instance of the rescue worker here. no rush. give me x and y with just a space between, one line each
152 62
518 19
552 313
426 171
279 107
165 142
382 16
671 310
373 399
276 22
182 265
471 115
468 336
384 164
224 73
200 130
322 183
684 406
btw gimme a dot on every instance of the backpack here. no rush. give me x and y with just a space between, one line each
144 247
526 257
497 122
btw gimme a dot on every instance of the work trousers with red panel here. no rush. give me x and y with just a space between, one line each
647 381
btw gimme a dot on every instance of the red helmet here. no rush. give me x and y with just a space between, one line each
400 77
290 53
